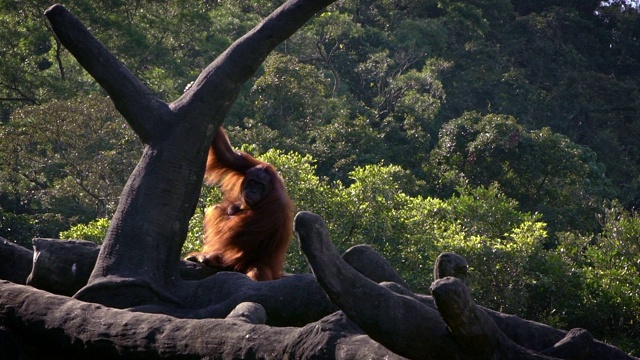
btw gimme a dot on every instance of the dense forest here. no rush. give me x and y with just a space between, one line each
504 130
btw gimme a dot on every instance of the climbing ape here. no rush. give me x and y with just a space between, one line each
249 231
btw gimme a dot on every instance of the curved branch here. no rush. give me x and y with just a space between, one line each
400 323
215 90
43 325
471 327
131 97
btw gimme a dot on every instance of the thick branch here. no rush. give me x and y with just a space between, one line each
131 97
15 261
471 327
213 93
371 264
53 326
63 267
401 323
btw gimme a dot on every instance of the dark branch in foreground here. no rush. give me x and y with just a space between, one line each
477 330
131 97
456 328
57 327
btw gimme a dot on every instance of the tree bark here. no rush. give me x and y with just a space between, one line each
57 327
410 325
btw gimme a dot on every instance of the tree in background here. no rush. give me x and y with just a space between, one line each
370 81
569 66
63 163
545 171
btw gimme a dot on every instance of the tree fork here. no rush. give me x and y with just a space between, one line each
141 250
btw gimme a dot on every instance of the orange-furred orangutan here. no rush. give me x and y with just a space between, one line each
249 231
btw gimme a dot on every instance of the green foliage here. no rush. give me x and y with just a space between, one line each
501 270
545 171
94 231
208 197
65 162
16 227
608 264
287 90
483 225
193 242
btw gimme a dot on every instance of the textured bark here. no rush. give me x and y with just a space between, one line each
161 194
57 327
410 325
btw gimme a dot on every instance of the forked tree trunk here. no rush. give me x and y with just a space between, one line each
138 263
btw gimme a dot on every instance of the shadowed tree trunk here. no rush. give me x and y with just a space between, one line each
57 327
138 302
138 263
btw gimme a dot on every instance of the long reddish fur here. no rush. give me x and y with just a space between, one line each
255 240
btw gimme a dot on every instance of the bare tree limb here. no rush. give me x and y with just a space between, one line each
57 327
131 97
401 323
227 74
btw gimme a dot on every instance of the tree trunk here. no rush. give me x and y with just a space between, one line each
138 263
